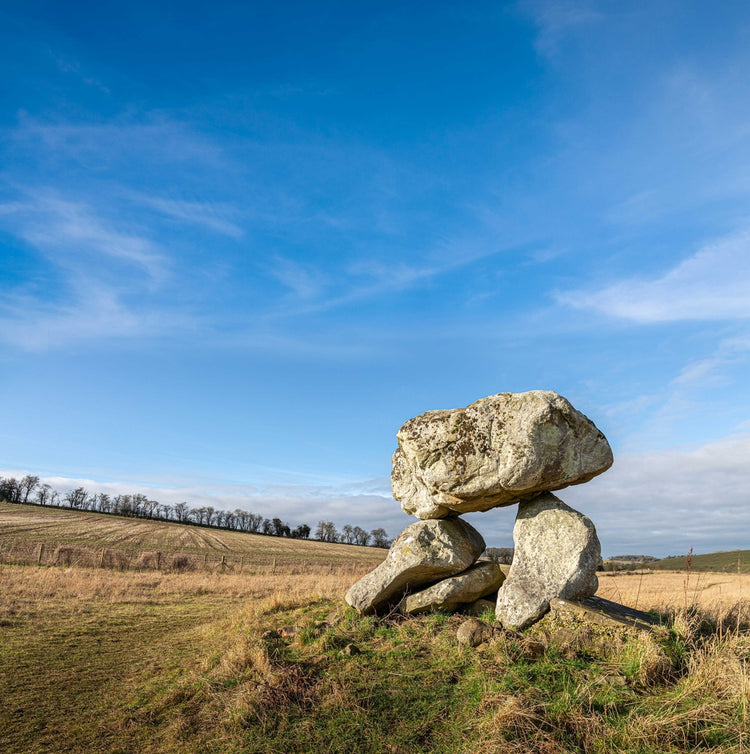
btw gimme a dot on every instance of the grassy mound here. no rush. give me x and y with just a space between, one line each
316 677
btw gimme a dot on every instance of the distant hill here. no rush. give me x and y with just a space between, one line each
718 562
633 558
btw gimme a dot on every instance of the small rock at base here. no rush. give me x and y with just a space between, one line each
473 632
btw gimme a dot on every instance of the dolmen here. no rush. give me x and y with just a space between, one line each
506 449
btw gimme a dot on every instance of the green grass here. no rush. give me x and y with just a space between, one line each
412 688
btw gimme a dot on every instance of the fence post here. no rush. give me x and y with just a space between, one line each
273 569
101 557
205 562
242 562
223 563
158 560
41 552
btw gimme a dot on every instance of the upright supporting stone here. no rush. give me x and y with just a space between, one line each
556 555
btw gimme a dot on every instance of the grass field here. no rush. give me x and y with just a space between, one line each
79 537
101 660
731 561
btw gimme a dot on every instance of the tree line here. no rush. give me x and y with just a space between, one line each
30 490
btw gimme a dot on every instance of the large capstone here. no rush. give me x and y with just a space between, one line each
423 553
475 582
497 451
556 555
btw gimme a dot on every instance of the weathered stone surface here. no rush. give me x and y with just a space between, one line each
473 632
478 608
556 554
424 552
448 594
605 612
495 452
601 628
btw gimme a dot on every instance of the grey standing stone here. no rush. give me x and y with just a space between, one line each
475 582
556 554
497 451
424 552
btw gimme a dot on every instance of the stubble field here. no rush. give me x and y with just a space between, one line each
56 536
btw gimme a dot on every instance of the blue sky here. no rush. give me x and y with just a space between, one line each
240 247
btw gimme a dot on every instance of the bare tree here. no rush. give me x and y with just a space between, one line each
44 495
77 498
26 486
361 537
326 532
10 490
379 538
198 515
181 512
104 502
140 505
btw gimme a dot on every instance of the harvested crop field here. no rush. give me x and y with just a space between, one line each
68 537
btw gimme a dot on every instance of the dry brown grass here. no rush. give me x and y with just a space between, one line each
720 596
49 585
79 647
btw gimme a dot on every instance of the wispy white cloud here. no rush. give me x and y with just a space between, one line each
368 278
555 19
66 230
704 399
100 267
207 214
712 284
709 372
33 325
153 140
304 281
68 66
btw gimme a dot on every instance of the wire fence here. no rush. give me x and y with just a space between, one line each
25 552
